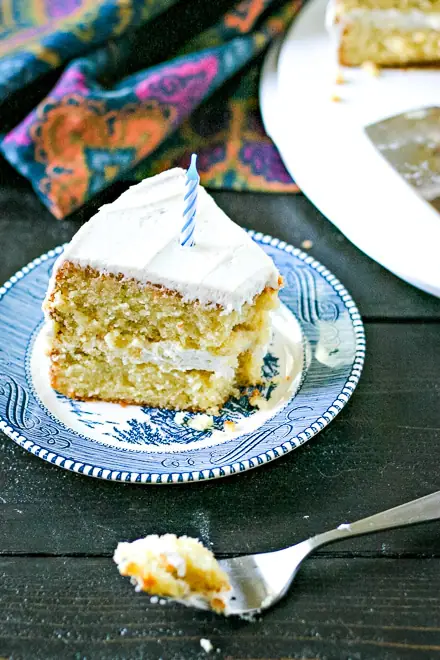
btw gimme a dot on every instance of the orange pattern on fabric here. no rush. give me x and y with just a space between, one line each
245 15
76 124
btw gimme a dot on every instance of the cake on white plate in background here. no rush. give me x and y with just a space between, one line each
386 32
136 317
180 568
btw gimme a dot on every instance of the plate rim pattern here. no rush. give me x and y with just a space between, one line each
243 465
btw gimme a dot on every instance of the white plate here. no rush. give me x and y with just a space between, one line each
326 151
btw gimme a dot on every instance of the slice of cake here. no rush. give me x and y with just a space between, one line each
178 568
386 32
135 317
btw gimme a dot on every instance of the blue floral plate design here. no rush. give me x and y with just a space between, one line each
312 368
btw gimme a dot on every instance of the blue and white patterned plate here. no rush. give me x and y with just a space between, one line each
313 366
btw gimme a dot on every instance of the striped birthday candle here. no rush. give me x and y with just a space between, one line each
189 214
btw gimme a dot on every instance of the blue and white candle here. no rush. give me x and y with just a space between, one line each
189 214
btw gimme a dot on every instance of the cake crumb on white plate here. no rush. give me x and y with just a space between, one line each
371 68
229 425
201 422
339 80
258 401
206 645
335 98
179 418
254 398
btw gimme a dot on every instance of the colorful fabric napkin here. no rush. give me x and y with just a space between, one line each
128 102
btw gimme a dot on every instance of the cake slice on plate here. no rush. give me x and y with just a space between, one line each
386 32
137 318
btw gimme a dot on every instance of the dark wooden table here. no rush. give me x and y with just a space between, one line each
376 597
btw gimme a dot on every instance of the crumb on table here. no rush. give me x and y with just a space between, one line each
307 244
206 645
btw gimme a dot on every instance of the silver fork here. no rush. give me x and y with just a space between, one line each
259 581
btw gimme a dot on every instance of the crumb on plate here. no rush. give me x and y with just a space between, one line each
201 422
339 80
229 425
179 418
254 398
371 68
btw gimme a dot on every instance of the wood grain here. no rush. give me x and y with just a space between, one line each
338 608
382 450
374 598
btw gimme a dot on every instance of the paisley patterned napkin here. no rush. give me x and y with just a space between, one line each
128 102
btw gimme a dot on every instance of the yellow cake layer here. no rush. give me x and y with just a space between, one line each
362 42
86 304
81 376
106 332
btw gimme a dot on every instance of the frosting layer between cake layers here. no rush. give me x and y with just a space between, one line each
169 355
138 236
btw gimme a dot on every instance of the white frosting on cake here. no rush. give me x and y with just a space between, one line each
138 236
386 19
169 355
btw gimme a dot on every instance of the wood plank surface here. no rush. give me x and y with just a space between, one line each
347 609
382 450
28 229
374 598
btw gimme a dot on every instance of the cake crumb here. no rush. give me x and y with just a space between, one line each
201 422
339 80
258 401
179 418
229 425
335 98
206 645
307 244
371 68
254 398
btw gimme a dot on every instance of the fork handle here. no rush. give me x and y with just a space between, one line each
421 510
